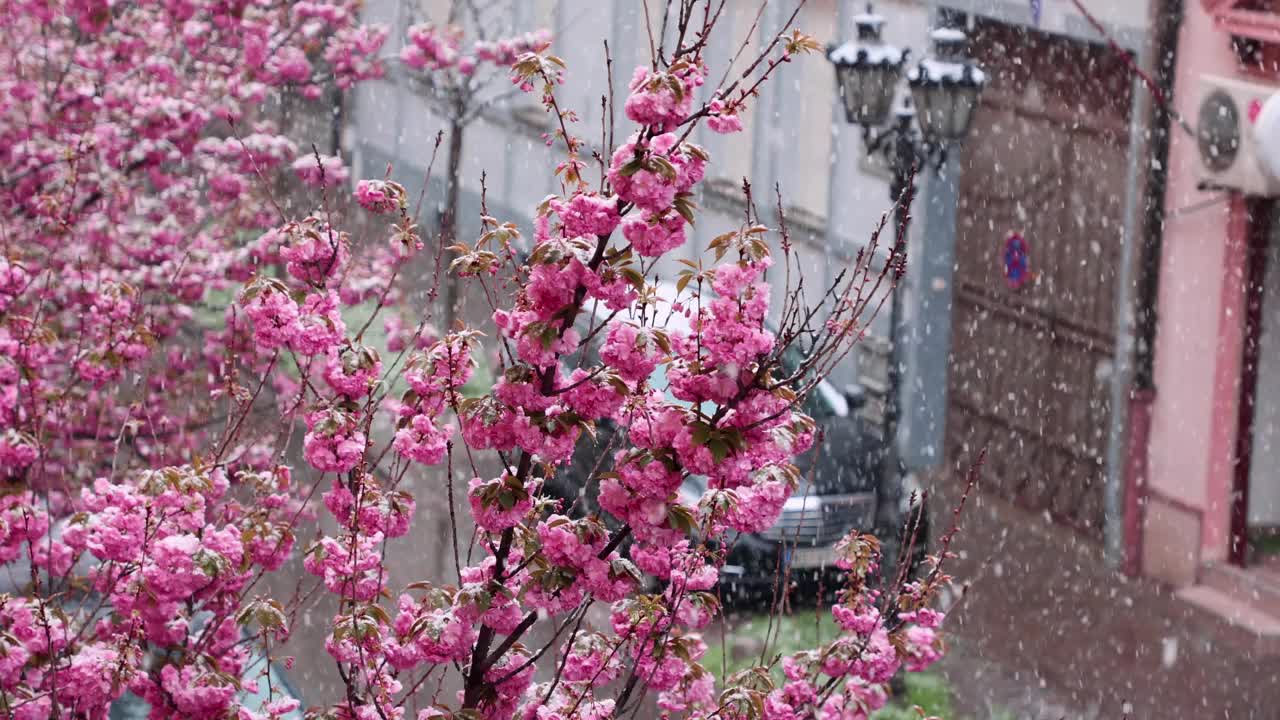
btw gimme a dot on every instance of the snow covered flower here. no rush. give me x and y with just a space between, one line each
381 196
333 442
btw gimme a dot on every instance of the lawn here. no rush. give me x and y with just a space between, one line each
744 640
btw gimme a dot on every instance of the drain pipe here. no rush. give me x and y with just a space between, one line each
1167 25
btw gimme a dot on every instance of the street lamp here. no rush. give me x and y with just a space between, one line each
945 89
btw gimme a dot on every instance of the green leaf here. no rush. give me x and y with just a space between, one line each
679 517
548 336
633 276
663 167
685 205
719 449
632 167
701 433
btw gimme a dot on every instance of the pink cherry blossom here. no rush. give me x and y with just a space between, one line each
632 351
186 416
380 196
500 503
723 119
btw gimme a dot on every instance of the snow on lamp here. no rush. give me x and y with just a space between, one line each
945 88
867 71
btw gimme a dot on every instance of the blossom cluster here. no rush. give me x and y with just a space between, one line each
134 180
434 47
191 379
171 552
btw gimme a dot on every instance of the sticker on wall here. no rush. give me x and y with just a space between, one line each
1017 261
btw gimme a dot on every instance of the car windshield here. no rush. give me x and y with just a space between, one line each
819 403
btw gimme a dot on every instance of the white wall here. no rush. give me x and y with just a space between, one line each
792 134
1124 20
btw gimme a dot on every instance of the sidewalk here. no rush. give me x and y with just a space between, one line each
1045 630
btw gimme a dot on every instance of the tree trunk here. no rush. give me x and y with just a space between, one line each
449 227
335 124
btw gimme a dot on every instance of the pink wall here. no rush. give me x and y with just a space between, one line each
1197 346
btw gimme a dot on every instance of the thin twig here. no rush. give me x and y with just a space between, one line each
1147 80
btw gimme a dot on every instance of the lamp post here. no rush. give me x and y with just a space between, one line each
945 89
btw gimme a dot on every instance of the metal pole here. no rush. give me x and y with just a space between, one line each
1122 367
1167 25
892 402
902 192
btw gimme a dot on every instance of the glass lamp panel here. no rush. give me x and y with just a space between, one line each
868 92
929 100
964 104
884 86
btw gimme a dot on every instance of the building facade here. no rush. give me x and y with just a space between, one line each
795 137
1210 493
1154 429
1039 366
1080 229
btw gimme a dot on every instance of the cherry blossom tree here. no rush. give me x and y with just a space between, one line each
459 75
167 330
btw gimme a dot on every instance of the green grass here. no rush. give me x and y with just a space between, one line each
927 691
211 312
1265 543
793 633
375 337
742 640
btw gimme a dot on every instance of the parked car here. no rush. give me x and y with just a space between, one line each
848 490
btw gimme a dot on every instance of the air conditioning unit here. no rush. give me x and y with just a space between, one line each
1238 131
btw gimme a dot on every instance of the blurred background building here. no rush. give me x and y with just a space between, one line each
1127 391
1033 371
1208 486
1038 373
793 137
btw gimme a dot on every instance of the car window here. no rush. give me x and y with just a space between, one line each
817 404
